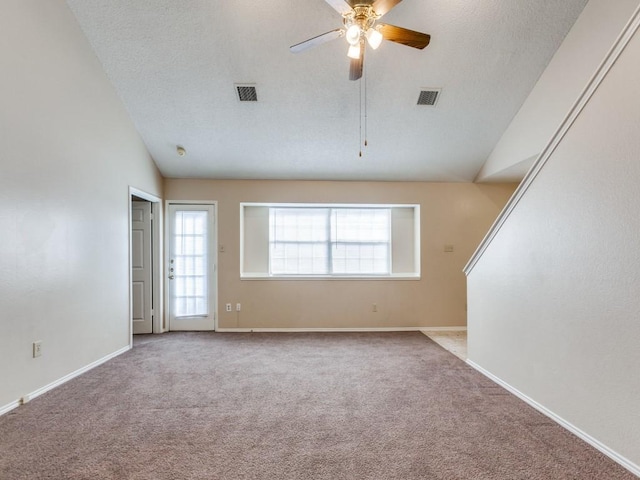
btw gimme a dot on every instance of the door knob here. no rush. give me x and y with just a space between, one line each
171 277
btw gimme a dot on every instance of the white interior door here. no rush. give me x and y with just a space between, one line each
191 267
141 267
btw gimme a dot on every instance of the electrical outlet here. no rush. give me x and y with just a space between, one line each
228 307
237 307
37 348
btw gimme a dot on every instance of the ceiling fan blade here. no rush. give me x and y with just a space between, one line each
318 40
355 67
404 36
383 6
340 6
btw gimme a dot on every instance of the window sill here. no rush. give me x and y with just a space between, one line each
265 276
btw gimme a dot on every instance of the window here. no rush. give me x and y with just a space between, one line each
329 241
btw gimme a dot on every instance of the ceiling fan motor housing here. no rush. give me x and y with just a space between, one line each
361 15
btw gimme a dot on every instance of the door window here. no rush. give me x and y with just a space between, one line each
190 292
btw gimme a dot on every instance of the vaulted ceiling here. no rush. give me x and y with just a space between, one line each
175 65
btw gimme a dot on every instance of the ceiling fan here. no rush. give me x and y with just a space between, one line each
359 18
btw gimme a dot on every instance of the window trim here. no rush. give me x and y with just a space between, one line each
415 275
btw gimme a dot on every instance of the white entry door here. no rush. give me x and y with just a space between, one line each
191 267
141 267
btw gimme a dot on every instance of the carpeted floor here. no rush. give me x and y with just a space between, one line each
349 406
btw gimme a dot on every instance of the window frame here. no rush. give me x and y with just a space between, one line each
414 274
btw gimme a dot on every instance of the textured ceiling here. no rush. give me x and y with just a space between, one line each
175 63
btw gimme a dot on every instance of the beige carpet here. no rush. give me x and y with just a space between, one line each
379 406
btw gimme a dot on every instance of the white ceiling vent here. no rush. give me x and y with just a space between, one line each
246 93
429 97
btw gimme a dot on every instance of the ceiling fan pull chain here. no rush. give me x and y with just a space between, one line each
360 115
365 105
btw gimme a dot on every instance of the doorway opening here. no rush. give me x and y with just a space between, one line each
145 267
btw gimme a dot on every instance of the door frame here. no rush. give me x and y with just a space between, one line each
158 324
214 256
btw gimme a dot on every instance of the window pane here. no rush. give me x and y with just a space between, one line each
298 241
190 263
361 224
362 241
321 241
353 258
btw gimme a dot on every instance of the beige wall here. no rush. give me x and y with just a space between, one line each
553 300
69 153
452 213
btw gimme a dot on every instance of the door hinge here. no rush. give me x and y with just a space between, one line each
152 216
153 312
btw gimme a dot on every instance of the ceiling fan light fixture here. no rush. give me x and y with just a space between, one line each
354 51
359 22
353 35
374 37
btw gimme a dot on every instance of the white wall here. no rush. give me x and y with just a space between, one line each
557 89
554 309
69 152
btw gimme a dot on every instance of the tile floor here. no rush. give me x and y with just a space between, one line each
453 340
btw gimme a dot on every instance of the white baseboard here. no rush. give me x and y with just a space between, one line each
616 457
285 330
36 393
7 408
